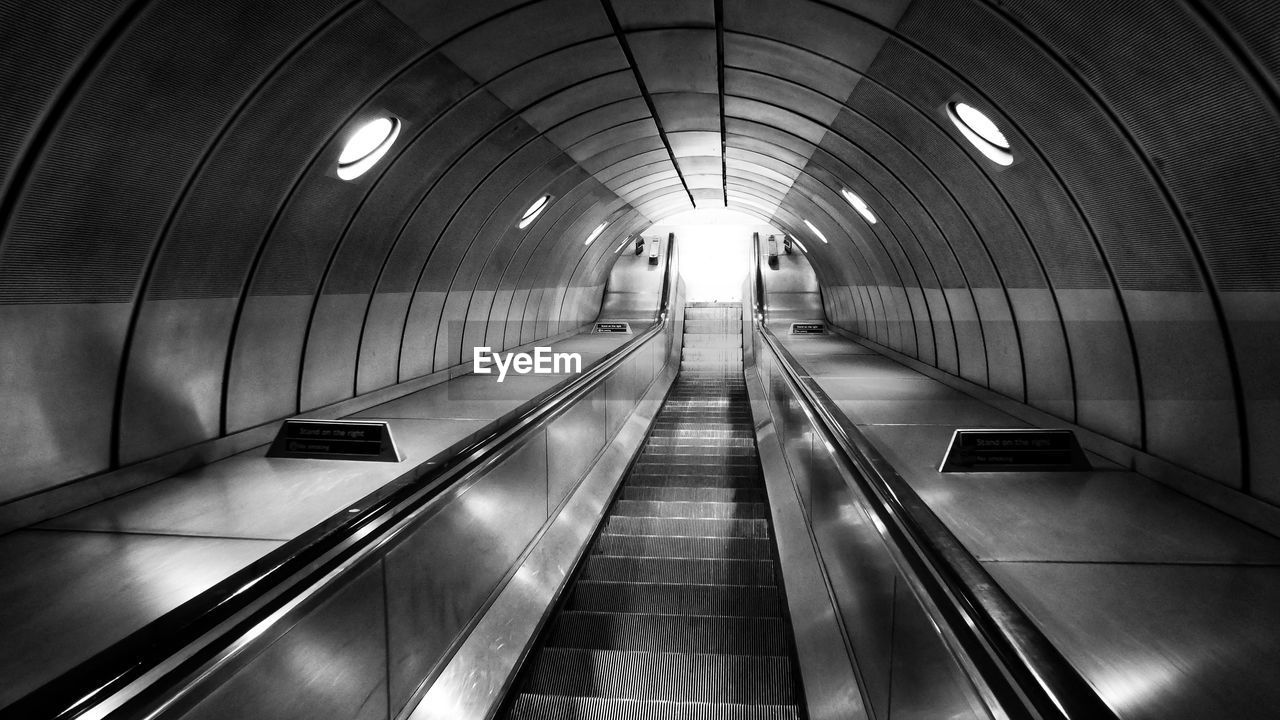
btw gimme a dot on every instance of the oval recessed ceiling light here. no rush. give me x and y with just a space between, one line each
596 233
799 244
981 131
816 232
534 211
859 204
367 146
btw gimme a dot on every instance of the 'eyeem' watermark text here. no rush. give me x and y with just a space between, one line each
541 362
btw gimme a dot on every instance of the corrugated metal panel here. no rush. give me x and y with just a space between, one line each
1210 136
1144 245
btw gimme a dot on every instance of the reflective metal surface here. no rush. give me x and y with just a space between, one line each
66 595
832 686
252 496
440 576
1153 596
472 684
331 663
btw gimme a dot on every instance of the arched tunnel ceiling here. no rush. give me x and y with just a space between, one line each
167 170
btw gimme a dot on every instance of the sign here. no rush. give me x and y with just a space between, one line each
808 328
613 327
1012 450
368 440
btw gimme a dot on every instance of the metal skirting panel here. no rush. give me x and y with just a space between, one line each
367 645
473 683
442 575
830 681
332 663
904 666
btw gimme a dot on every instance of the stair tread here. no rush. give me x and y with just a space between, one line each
532 706
643 675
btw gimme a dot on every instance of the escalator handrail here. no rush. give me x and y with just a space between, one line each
1028 674
238 606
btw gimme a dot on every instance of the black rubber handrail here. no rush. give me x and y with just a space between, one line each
1028 675
248 597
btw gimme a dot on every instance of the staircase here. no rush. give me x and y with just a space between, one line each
675 612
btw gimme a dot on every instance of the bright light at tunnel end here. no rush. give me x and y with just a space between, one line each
817 233
981 132
367 146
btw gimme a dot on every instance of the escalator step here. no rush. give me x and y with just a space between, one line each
688 441
675 613
686 527
666 476
691 571
712 548
676 599
692 510
668 633
558 707
662 676
693 494
746 462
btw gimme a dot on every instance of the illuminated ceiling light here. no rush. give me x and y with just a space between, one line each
799 244
534 211
816 232
859 204
596 233
624 244
979 130
367 146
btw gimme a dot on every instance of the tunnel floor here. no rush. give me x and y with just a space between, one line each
676 611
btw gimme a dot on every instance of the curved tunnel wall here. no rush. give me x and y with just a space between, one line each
178 261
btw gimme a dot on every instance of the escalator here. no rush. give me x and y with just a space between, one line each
676 611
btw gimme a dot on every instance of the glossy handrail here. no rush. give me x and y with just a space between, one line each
1028 675
234 609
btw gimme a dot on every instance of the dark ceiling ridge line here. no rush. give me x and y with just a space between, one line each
1238 50
55 111
724 165
644 91
1183 222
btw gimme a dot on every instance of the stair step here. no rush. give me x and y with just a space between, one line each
689 509
693 494
529 706
683 476
745 679
668 633
691 571
666 546
676 599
